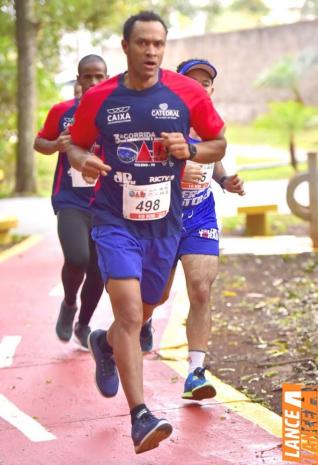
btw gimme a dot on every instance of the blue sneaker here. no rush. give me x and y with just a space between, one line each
146 337
106 375
197 387
148 431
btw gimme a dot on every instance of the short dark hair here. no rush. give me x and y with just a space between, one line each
141 16
88 59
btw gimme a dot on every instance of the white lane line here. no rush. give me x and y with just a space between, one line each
7 349
27 425
57 291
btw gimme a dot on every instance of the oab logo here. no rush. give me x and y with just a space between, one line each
118 115
164 112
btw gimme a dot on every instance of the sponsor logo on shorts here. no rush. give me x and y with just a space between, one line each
164 112
118 115
209 234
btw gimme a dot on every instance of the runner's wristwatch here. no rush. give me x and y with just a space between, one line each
192 150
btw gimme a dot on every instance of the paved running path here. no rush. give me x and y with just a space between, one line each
51 412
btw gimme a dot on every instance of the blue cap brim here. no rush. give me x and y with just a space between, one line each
199 64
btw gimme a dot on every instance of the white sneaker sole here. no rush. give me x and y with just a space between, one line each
161 431
78 342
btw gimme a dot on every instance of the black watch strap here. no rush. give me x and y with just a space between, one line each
192 150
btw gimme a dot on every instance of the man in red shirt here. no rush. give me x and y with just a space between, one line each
70 201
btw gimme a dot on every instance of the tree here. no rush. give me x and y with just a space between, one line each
289 118
292 116
282 75
289 73
310 9
39 27
26 31
254 7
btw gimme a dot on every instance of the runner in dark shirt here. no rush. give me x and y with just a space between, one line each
70 201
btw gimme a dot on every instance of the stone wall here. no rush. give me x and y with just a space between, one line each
240 57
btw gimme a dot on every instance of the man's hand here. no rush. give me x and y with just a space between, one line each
234 184
192 173
63 141
92 167
175 145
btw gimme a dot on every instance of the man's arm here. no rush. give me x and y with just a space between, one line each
89 164
48 147
231 183
207 151
211 150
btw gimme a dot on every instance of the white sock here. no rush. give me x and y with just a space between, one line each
195 359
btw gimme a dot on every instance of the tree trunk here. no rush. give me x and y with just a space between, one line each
292 151
26 98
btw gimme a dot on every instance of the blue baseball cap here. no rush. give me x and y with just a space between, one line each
198 64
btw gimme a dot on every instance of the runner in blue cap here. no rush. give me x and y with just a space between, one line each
199 246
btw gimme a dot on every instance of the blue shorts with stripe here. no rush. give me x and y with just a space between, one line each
121 255
200 233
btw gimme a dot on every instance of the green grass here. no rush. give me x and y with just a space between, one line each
280 223
274 173
45 168
244 160
249 135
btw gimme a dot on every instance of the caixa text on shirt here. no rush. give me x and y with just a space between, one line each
67 121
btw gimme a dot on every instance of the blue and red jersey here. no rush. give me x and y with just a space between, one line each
197 198
63 193
142 192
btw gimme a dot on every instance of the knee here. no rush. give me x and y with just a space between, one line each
199 294
77 262
130 317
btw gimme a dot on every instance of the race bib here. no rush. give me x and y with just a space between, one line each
149 202
77 179
204 182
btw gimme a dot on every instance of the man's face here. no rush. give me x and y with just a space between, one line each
145 48
91 73
203 78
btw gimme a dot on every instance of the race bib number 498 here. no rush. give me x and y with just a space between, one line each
148 202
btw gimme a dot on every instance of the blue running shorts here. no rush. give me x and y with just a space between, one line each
199 241
200 232
122 256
